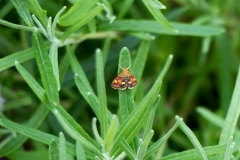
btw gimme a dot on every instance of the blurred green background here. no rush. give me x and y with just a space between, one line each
202 73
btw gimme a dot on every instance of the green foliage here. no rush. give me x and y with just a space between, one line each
64 67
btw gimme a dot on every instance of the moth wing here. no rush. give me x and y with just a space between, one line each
132 82
118 83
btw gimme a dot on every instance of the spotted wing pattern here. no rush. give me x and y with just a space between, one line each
124 80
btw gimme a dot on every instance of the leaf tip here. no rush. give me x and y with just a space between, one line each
16 63
101 4
89 93
98 51
61 134
94 119
178 118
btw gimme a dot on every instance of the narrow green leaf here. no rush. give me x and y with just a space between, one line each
89 16
38 11
193 154
109 11
56 18
155 4
8 6
22 9
193 139
126 6
63 67
23 155
154 27
62 147
105 49
20 56
143 36
80 152
92 26
224 51
233 114
211 117
77 12
149 122
76 131
126 101
92 99
155 147
17 103
53 150
111 133
127 149
144 146
7 140
77 69
34 122
228 152
140 61
101 93
83 83
53 55
17 26
95 132
157 14
45 68
35 134
34 85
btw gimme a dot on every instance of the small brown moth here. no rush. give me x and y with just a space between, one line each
123 80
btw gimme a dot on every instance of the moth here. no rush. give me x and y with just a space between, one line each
124 80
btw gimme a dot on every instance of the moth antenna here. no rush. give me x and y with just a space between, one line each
121 67
129 66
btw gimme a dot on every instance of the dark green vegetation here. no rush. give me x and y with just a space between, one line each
57 64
